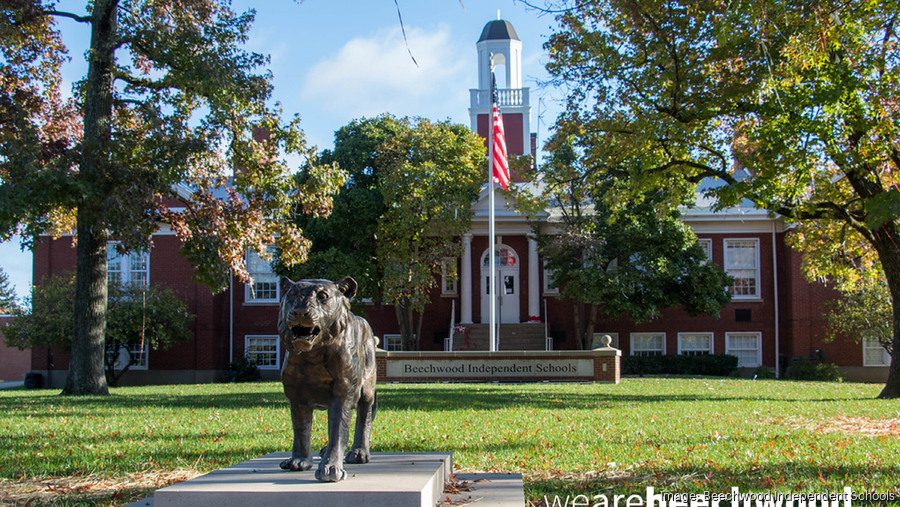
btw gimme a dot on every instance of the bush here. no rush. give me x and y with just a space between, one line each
243 370
763 373
718 365
804 369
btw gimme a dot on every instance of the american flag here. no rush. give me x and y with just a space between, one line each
500 164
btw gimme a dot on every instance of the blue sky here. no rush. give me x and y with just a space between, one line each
337 60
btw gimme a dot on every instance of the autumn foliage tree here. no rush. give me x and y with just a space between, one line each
402 210
616 257
431 173
167 109
344 243
792 105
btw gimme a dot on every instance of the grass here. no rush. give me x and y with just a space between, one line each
677 435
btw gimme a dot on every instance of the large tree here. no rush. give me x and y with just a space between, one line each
431 173
612 256
792 105
344 242
403 209
166 111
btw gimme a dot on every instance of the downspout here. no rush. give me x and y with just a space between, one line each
777 326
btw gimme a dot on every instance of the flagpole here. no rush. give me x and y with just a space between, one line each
492 290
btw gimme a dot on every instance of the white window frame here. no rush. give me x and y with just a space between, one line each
446 279
728 269
252 355
547 279
597 337
706 245
250 289
682 350
120 261
868 345
134 348
636 352
729 348
393 342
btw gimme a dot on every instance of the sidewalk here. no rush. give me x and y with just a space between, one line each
7 385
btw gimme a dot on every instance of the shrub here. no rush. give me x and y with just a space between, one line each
719 365
763 373
243 370
804 369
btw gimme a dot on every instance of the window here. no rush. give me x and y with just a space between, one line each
265 282
127 353
448 277
133 267
393 342
648 344
597 341
706 245
548 281
695 344
262 350
746 347
742 263
874 354
503 257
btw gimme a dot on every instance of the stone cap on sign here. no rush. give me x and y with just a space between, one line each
601 352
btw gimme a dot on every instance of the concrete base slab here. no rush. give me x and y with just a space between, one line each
389 480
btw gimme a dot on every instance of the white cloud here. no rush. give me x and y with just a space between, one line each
375 74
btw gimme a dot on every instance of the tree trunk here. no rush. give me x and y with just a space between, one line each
418 335
86 367
406 318
579 324
889 254
86 372
591 324
410 320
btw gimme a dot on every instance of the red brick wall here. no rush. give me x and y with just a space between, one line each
14 363
208 349
801 316
512 128
805 323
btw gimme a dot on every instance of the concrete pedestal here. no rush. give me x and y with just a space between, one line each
388 480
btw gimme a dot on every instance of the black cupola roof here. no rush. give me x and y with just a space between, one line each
498 30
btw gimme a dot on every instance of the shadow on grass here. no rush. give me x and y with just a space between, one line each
405 397
28 405
488 397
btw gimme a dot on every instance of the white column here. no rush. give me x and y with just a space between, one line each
465 282
534 281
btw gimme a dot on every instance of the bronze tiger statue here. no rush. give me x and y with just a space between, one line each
330 365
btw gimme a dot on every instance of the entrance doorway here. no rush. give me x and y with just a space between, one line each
506 262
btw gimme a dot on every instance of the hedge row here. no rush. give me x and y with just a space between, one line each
804 369
720 365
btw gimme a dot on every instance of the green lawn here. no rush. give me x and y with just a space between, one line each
676 435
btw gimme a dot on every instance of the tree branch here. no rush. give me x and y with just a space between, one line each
821 210
143 83
80 19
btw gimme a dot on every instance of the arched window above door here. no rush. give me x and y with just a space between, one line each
503 257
